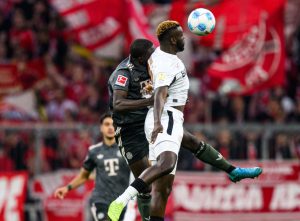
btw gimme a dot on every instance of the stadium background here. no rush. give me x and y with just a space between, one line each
55 59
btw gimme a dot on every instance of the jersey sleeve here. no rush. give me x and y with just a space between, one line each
89 163
121 80
163 77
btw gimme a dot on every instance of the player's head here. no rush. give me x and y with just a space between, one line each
141 50
106 126
170 32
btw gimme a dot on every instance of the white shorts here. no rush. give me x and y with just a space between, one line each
170 139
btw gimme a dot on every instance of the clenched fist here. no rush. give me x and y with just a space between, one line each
61 192
149 88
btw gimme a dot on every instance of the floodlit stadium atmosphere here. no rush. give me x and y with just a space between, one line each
149 110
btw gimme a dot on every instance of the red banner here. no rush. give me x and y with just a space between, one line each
20 76
69 209
12 196
9 79
137 23
95 24
255 57
275 196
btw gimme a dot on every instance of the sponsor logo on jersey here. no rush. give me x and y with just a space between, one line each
121 80
111 166
129 155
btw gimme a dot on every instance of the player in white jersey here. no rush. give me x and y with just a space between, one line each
164 122
171 84
163 127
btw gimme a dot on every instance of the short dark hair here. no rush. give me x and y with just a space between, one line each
139 47
164 29
104 116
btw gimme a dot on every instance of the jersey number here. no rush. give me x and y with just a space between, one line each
111 166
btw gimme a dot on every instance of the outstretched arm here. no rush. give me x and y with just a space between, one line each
160 96
80 179
121 103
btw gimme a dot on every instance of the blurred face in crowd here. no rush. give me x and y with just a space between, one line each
78 74
224 137
107 129
238 104
60 95
19 20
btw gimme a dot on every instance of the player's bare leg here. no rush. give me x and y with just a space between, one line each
166 162
209 155
161 189
139 166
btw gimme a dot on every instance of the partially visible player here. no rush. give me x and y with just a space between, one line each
112 172
128 100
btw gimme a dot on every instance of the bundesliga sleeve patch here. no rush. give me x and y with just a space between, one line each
121 80
161 76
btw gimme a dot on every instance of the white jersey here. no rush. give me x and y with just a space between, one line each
168 70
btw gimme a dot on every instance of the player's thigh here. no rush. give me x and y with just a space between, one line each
133 143
139 166
189 141
165 154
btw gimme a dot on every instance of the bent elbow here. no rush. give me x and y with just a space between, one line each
117 106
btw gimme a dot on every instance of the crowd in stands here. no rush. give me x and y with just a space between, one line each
75 90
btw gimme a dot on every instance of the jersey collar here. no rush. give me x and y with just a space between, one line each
165 53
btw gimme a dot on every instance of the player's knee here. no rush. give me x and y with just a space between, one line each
167 167
190 142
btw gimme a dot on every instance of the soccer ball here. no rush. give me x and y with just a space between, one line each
201 21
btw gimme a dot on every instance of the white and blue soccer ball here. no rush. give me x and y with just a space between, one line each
201 21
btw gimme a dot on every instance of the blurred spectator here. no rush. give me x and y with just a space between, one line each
196 110
20 34
238 110
59 108
221 109
281 148
16 149
294 116
77 88
228 146
251 146
6 164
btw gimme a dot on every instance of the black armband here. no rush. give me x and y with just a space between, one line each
69 187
